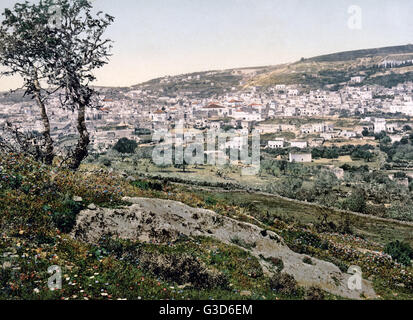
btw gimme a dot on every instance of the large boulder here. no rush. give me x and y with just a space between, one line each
162 221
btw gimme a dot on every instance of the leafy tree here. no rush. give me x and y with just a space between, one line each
365 132
25 39
125 145
63 55
356 202
80 49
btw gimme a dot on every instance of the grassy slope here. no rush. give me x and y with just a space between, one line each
36 212
379 231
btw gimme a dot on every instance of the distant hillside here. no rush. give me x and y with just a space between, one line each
204 84
335 70
330 71
357 54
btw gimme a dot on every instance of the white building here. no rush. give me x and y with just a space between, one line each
380 125
276 144
299 144
300 157
348 134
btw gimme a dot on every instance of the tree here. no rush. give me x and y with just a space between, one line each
125 145
356 202
24 40
80 49
407 128
366 132
59 43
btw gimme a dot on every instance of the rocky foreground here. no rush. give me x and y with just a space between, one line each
164 221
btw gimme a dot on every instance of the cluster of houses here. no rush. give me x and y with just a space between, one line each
121 112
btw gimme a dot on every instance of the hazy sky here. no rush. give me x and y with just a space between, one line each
165 37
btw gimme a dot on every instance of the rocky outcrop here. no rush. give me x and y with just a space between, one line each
162 221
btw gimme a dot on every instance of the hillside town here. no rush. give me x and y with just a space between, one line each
123 113
227 185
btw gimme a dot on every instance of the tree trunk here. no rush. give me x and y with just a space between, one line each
81 151
49 150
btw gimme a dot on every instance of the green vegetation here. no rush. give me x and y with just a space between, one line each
37 207
356 152
400 251
37 210
124 145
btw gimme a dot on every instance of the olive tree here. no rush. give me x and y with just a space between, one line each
59 43
80 49
24 40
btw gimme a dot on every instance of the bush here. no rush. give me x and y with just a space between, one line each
307 260
242 243
284 284
148 185
314 293
182 268
276 262
356 202
65 219
125 145
400 252
210 201
106 162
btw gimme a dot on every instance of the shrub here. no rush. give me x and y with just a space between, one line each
284 284
181 268
125 145
276 262
148 185
210 201
345 225
400 251
65 219
242 243
307 260
356 202
106 162
314 293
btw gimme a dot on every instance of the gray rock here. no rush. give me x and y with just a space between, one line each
164 221
92 206
77 199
